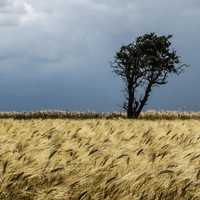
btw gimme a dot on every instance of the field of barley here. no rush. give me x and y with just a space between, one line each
97 159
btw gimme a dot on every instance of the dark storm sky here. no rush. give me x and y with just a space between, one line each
56 54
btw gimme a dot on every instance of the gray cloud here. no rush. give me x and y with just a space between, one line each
58 52
17 12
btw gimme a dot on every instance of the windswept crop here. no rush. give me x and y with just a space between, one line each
57 159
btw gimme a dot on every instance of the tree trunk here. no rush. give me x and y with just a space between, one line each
130 112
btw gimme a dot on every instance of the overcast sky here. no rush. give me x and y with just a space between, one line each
55 54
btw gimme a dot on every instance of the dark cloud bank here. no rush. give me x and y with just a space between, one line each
56 54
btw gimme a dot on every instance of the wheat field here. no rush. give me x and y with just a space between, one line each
94 159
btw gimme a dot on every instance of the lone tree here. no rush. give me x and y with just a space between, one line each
142 65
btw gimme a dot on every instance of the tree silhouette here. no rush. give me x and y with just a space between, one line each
142 65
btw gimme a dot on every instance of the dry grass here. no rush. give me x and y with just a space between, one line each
99 159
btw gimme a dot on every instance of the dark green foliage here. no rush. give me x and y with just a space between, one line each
142 65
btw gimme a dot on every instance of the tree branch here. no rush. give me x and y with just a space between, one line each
145 98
